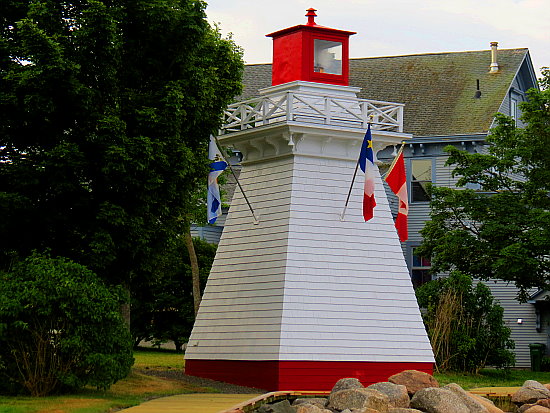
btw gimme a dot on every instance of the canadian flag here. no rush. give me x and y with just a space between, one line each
397 181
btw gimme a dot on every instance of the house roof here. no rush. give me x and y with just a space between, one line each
437 89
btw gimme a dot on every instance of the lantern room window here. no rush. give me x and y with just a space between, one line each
327 57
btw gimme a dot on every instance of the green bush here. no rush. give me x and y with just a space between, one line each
60 328
545 363
465 325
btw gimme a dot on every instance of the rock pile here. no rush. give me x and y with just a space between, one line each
533 397
410 391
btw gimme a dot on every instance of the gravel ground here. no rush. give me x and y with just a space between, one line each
220 387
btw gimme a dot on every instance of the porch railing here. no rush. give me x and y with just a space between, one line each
314 109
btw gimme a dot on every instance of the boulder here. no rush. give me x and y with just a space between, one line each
414 380
397 393
359 398
364 410
310 408
544 403
403 410
436 400
537 409
524 407
279 407
488 404
530 392
467 399
347 383
320 402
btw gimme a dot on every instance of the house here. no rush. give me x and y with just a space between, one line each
450 99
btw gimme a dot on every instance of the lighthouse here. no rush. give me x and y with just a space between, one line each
303 295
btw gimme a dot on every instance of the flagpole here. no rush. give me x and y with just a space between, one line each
349 193
256 219
353 179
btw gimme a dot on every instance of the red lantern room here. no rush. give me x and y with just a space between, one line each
312 53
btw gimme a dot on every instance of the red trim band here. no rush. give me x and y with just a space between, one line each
297 375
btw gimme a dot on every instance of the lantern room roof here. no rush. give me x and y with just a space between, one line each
305 27
310 26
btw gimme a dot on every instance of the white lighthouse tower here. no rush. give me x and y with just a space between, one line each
302 297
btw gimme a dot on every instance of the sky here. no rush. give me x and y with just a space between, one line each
394 27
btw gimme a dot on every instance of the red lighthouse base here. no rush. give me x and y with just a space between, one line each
297 375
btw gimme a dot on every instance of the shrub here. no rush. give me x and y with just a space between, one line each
60 328
465 325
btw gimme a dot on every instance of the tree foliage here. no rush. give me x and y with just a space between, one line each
60 328
502 230
106 108
465 325
162 309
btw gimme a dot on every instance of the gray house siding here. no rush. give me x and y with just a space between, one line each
210 233
523 333
521 319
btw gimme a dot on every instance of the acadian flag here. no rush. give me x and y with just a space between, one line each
397 181
366 162
213 197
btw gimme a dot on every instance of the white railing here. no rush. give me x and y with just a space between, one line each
316 109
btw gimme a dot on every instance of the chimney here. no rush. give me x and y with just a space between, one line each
494 65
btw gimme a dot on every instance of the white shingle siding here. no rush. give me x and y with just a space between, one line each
243 299
302 284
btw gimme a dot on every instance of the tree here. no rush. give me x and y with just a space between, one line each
502 230
106 108
465 325
162 309
60 328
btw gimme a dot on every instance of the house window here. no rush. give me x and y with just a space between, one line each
420 269
473 185
421 177
514 109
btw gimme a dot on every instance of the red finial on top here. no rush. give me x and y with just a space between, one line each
311 17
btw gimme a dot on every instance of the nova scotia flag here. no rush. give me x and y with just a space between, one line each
213 198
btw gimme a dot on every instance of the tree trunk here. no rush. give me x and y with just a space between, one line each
194 269
125 307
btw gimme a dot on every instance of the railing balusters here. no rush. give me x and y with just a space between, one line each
292 106
264 111
400 113
243 117
364 114
289 106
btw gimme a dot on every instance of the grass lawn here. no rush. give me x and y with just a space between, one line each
497 385
131 391
492 378
158 359
140 387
